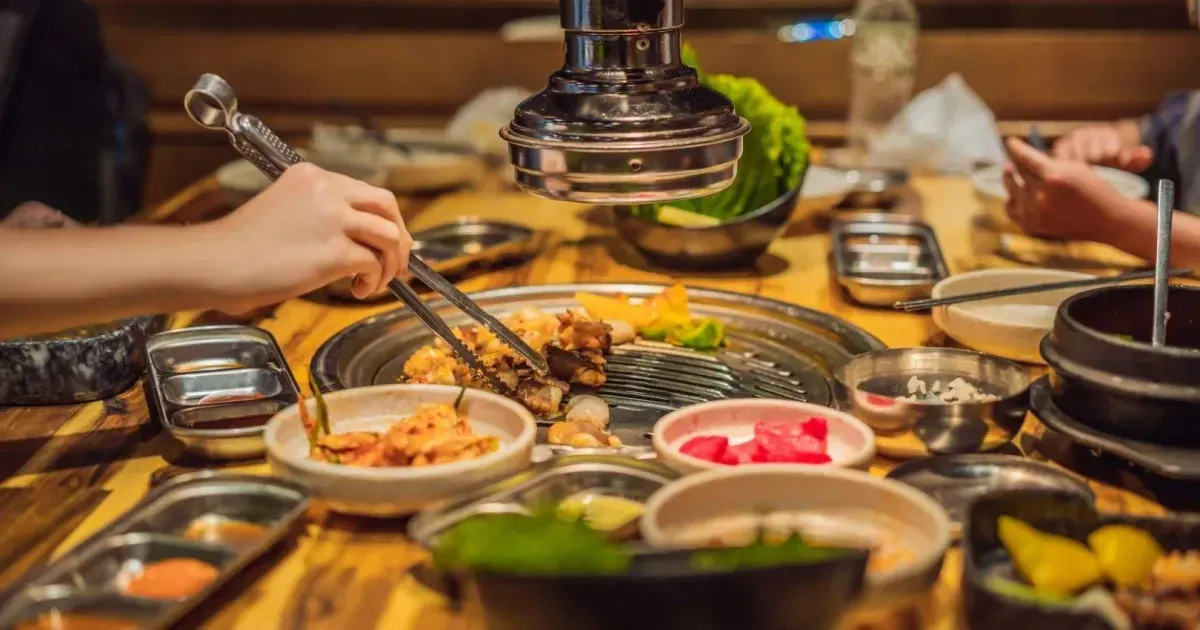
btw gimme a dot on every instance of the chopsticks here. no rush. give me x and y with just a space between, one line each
212 104
922 305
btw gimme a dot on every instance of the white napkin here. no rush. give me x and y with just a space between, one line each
947 128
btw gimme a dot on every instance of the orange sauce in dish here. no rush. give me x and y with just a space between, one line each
238 535
177 578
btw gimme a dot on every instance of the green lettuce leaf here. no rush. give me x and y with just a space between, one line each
774 153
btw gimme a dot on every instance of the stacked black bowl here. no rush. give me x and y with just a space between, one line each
1108 376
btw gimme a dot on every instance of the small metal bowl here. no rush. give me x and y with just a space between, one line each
874 188
736 243
870 387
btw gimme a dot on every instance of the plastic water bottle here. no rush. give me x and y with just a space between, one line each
883 62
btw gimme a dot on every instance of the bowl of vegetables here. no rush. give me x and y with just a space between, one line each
1047 560
735 226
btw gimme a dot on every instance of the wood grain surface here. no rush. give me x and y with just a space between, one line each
68 471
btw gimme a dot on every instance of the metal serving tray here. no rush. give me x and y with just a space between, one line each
879 263
547 484
453 247
775 350
213 388
92 577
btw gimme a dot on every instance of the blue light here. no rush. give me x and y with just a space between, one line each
815 30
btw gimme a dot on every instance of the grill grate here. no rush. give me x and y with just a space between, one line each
657 377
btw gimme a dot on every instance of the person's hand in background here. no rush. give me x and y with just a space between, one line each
1116 145
1058 198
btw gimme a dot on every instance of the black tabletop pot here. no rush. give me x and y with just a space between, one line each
1108 376
662 592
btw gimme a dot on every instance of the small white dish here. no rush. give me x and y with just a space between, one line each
851 442
989 189
828 505
1009 327
390 492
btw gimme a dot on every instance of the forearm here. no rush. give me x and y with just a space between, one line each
55 279
1134 227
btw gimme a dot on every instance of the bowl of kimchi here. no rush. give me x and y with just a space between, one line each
391 450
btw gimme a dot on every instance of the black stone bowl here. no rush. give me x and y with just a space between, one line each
733 244
1108 376
661 591
1061 513
76 367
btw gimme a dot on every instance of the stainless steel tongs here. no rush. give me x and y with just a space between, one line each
213 104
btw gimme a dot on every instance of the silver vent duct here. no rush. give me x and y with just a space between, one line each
624 121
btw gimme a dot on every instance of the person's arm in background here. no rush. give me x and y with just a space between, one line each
1067 199
306 230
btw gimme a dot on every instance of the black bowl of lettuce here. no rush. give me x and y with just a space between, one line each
735 226
536 573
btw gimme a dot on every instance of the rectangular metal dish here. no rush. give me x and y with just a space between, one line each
180 520
213 388
879 263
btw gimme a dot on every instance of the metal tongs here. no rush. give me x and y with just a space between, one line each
213 104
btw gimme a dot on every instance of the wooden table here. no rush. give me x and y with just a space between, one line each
67 471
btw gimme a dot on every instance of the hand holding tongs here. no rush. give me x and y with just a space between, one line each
212 103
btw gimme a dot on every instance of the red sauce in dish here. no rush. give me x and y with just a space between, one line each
226 424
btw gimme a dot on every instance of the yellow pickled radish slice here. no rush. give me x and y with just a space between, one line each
1126 554
1052 564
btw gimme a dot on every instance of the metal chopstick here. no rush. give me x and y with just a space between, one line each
1162 261
435 281
406 294
921 305
213 104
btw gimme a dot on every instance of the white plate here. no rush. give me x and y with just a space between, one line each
851 442
1010 327
389 492
825 503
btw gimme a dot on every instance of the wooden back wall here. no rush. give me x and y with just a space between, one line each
413 62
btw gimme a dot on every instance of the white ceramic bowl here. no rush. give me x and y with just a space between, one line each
826 499
390 492
989 189
851 442
1010 327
